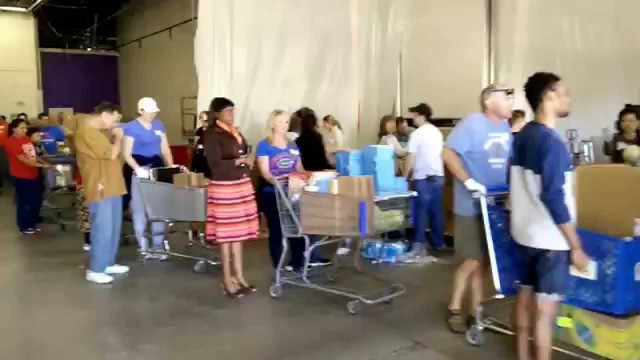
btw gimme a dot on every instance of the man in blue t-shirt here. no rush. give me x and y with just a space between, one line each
52 134
543 214
476 153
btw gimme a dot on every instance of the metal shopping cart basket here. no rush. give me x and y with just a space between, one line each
171 204
289 211
60 195
504 265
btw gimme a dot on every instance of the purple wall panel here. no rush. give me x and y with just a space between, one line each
79 81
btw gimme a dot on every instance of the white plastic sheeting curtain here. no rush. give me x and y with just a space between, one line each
593 45
338 57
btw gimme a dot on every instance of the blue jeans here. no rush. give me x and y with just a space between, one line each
28 199
428 207
269 207
140 220
106 226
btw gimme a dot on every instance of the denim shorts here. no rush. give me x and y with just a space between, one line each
545 271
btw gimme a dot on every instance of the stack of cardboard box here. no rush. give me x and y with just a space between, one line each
340 215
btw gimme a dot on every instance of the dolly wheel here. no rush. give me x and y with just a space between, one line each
354 307
200 267
475 336
275 291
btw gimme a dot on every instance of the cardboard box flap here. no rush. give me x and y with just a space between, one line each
608 198
190 180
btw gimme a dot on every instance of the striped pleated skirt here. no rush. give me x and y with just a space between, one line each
232 213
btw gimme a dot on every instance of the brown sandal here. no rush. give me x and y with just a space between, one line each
456 322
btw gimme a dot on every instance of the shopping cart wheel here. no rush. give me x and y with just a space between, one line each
475 336
275 291
354 307
200 267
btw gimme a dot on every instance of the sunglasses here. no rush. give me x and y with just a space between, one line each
508 92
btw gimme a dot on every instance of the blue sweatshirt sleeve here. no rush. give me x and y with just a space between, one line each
553 182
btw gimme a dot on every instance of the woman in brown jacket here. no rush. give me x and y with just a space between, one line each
232 214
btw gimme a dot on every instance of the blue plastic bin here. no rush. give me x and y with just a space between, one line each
506 250
616 287
349 163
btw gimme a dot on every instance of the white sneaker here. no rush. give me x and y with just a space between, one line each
145 256
343 251
161 257
86 247
98 278
116 269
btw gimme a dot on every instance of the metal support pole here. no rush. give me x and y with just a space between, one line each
490 52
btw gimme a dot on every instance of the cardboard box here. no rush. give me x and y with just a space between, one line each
190 180
610 337
297 181
608 198
338 213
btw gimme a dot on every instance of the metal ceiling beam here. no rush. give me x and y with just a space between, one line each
36 5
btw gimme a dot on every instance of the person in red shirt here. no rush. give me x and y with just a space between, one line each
23 166
4 163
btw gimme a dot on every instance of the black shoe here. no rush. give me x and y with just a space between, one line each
320 261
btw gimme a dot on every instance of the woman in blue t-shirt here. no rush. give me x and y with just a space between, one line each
145 147
277 157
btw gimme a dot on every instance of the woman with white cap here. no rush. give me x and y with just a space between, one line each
145 147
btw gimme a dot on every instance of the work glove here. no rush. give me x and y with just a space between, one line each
475 187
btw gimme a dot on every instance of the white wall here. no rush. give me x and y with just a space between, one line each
593 48
19 88
163 66
444 59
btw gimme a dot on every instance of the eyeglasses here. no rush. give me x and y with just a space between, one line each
508 92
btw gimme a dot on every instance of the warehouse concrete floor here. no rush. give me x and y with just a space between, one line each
165 311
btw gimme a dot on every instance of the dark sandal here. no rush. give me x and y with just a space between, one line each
249 289
456 322
234 295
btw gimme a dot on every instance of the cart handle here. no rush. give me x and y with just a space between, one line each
497 190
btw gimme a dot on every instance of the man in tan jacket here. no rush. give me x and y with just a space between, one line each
98 143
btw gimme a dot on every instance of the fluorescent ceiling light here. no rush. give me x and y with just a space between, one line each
13 8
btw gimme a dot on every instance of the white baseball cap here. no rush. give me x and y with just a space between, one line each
148 105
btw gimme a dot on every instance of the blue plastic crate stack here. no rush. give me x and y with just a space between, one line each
373 160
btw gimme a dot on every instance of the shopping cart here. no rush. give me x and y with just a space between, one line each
60 195
505 269
290 222
170 204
